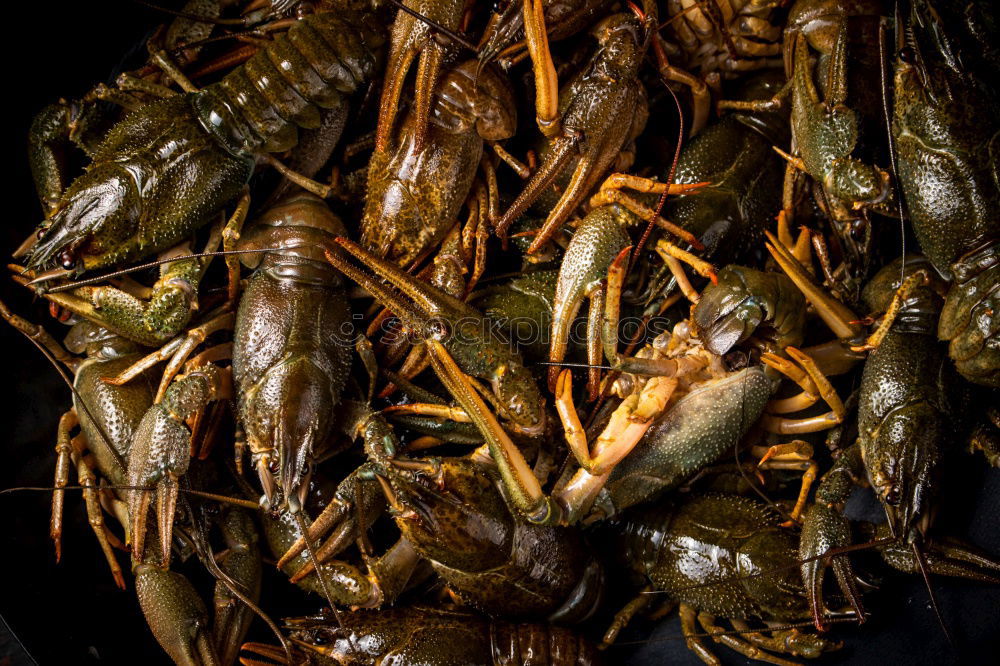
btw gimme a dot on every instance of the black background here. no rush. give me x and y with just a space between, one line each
73 613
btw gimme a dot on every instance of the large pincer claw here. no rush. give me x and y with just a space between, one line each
176 615
824 531
438 319
161 453
241 562
599 239
356 504
412 37
159 457
946 556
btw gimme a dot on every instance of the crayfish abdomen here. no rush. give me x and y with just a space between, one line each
169 166
261 105
425 635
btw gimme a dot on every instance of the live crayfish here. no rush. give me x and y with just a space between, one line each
940 150
134 200
109 417
402 383
699 551
451 513
417 635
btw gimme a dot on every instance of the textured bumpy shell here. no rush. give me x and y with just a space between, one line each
701 427
439 637
291 347
313 66
702 551
416 191
494 561
730 215
118 410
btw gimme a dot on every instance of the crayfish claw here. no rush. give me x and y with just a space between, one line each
259 654
825 530
176 615
944 557
160 455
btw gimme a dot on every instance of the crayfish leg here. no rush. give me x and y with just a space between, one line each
546 80
738 644
917 279
813 383
177 352
692 638
622 618
701 96
64 450
74 450
230 237
794 455
837 316
611 192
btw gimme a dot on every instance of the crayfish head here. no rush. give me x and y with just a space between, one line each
902 497
286 420
901 462
157 177
93 224
728 312
285 483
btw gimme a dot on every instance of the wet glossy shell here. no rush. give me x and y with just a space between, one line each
701 551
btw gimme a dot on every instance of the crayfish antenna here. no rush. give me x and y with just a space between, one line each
922 563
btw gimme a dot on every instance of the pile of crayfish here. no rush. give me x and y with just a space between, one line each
327 317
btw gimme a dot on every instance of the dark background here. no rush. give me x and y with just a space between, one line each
73 613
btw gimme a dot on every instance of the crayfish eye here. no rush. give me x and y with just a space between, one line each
67 259
858 230
907 55
274 466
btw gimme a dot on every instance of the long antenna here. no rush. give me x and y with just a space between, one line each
192 17
159 262
79 398
884 76
207 558
320 574
922 564
661 57
222 499
567 364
